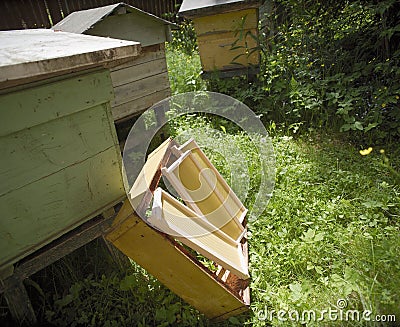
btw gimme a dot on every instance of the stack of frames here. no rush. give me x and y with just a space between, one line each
210 220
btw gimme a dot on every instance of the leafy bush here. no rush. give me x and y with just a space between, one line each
328 64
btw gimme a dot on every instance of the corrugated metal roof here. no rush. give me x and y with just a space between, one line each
81 21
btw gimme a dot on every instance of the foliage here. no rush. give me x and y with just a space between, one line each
184 38
329 64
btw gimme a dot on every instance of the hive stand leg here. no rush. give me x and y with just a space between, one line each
19 303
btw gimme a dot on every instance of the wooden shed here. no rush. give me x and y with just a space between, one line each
61 163
143 81
227 34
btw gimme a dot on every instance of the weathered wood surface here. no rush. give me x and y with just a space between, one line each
138 105
19 303
221 23
30 55
224 40
140 88
42 14
138 71
62 164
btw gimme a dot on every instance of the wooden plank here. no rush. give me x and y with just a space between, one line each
38 213
172 266
177 220
28 108
138 71
54 8
141 189
140 88
31 154
129 109
150 53
19 304
230 22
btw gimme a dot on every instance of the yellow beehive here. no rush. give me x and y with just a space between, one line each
227 34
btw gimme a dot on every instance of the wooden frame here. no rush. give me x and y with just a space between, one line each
174 218
212 199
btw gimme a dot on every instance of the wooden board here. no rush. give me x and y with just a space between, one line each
38 213
34 153
174 218
134 107
140 88
172 266
46 102
130 78
144 183
205 191
138 71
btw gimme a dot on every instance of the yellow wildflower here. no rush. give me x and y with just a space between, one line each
382 151
366 151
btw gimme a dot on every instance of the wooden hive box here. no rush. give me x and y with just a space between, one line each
61 163
227 33
219 294
143 81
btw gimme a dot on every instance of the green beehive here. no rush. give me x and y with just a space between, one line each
61 162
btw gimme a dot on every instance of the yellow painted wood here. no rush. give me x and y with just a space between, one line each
218 34
151 168
226 22
216 51
168 262
176 219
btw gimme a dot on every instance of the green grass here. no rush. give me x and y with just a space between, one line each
331 231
